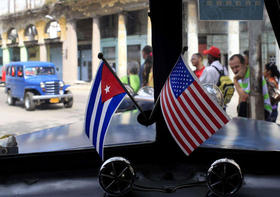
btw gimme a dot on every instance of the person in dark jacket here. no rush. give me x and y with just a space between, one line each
147 67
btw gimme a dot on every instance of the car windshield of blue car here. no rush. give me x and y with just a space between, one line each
30 71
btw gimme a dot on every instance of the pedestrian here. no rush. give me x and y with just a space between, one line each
114 66
242 86
146 69
272 75
211 73
132 79
198 64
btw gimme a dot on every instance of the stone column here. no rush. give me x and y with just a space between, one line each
70 54
122 47
40 26
95 45
256 101
43 52
192 30
23 49
149 32
233 41
6 55
6 52
23 54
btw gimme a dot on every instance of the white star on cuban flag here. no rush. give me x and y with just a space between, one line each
107 89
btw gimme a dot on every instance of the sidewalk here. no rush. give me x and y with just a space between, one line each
80 86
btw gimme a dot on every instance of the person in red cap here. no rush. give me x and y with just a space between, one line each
211 73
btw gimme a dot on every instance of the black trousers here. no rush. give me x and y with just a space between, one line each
243 111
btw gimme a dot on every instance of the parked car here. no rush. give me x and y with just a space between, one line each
144 97
35 83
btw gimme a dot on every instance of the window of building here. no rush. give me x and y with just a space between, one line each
14 53
84 30
133 53
109 26
110 54
33 53
136 22
12 36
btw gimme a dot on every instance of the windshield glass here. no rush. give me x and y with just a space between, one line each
42 70
123 33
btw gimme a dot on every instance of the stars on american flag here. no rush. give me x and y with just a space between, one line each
180 78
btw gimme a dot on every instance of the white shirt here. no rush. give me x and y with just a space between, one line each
211 75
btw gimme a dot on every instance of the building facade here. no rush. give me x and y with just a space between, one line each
71 33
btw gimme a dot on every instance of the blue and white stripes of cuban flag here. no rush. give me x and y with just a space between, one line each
99 113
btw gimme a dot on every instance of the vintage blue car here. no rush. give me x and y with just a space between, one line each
35 83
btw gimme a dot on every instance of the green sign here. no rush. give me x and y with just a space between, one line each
231 9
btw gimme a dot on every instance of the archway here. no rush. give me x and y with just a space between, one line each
53 30
12 36
12 44
30 33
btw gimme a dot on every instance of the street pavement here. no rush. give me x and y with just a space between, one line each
16 120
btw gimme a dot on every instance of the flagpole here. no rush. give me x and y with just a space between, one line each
100 56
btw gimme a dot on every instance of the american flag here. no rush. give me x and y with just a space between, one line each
105 97
189 112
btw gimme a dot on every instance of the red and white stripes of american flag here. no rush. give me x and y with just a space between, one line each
192 117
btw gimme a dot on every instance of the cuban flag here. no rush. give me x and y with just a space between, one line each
105 97
189 112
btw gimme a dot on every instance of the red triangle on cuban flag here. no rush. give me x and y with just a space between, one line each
110 86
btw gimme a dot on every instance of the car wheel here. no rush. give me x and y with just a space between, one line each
69 102
10 99
28 101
